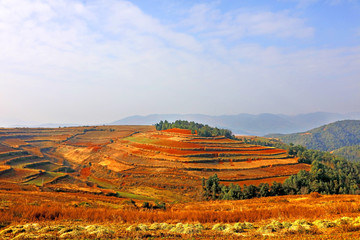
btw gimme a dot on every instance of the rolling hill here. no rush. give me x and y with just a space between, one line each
328 137
134 161
105 182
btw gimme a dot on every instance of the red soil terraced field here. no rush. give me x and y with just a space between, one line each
4 148
177 130
199 157
135 161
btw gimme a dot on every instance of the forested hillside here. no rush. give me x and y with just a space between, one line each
329 174
328 137
351 152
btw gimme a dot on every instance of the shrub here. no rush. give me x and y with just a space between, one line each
300 226
218 227
228 228
142 227
343 221
248 225
238 227
132 228
146 205
155 226
191 229
324 224
179 228
163 226
315 195
161 205
356 221
286 224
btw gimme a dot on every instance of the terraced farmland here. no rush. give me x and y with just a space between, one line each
233 160
52 157
134 161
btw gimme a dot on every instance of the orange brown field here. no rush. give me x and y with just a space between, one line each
91 182
119 158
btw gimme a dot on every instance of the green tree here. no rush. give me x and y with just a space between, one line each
264 190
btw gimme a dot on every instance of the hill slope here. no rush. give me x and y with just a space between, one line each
328 137
135 161
351 153
247 124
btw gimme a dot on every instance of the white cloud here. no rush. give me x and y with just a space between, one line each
74 37
309 3
68 61
209 21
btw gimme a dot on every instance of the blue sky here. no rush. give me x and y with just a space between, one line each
97 61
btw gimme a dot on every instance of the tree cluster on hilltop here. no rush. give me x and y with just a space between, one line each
329 174
202 130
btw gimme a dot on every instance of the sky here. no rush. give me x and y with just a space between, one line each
97 61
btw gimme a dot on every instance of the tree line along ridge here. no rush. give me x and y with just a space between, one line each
202 130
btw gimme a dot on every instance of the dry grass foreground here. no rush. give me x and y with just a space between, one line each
42 215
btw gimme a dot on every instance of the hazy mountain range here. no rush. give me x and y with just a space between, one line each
248 124
11 123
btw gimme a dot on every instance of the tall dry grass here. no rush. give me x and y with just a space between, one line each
33 207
